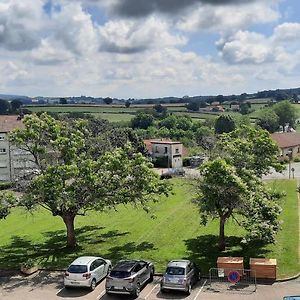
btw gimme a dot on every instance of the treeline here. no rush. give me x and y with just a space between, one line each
10 107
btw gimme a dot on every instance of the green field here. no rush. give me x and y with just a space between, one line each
175 232
118 113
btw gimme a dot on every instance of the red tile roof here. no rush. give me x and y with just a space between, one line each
286 139
9 123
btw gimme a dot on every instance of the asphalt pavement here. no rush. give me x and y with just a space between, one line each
49 286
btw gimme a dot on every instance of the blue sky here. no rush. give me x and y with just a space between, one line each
138 49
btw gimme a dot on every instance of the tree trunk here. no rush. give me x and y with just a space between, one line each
222 234
71 239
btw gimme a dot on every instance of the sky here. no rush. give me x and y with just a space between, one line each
148 48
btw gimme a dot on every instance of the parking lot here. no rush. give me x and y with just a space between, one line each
49 286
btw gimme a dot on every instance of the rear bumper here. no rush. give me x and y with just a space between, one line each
125 290
175 287
77 283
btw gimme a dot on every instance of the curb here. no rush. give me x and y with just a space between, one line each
288 278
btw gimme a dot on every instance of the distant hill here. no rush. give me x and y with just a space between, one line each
24 99
263 96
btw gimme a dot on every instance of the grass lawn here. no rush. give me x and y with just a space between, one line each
175 232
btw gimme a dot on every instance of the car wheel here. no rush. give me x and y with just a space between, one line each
93 284
189 289
137 291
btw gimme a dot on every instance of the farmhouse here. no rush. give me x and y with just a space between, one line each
288 143
167 152
13 161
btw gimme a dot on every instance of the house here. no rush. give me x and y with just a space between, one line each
13 161
167 152
288 143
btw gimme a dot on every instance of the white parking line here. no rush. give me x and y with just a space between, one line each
151 292
59 291
200 289
101 294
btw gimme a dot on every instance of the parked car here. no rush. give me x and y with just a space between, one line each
86 271
180 275
172 173
291 298
129 276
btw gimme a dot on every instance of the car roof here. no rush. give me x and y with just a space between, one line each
84 260
179 263
125 265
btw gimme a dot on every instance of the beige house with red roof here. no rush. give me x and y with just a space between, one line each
13 161
288 142
173 151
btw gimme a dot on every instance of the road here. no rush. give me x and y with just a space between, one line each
49 286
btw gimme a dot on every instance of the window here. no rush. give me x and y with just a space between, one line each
2 150
2 138
166 150
77 269
177 150
156 149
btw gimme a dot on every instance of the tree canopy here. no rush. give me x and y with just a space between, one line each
224 123
286 113
230 185
69 182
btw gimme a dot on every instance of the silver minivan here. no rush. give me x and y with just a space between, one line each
86 271
180 275
129 276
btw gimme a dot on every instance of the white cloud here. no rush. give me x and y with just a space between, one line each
248 47
74 28
229 17
20 23
127 36
287 32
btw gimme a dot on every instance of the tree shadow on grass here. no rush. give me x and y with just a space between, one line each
203 250
121 252
51 251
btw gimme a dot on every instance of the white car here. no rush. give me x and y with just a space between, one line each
86 271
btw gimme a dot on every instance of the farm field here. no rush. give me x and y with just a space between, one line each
175 232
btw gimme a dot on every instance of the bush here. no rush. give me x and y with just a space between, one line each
6 185
297 159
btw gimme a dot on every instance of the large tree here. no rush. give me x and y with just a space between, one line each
69 182
220 192
268 119
224 123
286 113
231 185
4 107
250 150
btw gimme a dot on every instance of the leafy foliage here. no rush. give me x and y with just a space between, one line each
71 181
224 123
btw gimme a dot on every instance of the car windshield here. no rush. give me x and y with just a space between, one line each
77 269
119 274
175 271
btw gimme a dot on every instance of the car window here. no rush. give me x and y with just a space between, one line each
77 269
175 271
98 263
137 268
93 266
188 268
143 264
119 274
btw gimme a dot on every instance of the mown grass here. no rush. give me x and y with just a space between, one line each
175 232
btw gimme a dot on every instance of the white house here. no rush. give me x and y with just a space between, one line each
13 161
172 151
